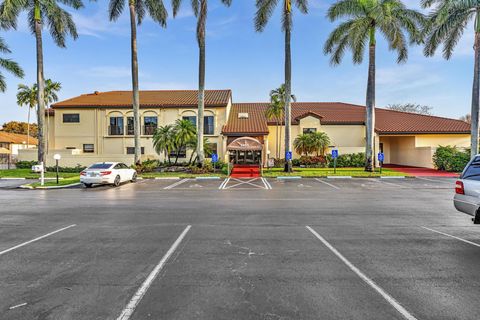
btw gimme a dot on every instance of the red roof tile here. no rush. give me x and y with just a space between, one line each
387 121
161 98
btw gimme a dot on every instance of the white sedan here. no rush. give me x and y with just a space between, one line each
107 173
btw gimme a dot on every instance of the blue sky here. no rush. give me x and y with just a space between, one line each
249 63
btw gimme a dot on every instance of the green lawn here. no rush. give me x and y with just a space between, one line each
152 175
28 174
323 172
62 182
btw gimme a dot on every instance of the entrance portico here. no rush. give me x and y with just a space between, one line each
245 151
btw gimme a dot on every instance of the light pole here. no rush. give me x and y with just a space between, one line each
57 157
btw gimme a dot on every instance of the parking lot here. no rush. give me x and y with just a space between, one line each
239 249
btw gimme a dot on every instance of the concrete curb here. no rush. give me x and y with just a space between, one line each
207 178
289 177
392 177
166 178
13 178
52 187
339 177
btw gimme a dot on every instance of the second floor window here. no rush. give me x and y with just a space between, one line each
116 126
192 119
71 118
309 130
208 125
150 125
130 126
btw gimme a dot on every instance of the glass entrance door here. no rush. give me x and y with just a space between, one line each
246 157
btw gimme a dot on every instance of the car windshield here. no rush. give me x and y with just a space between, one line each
473 170
100 166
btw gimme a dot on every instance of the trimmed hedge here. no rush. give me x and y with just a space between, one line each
450 158
25 164
349 160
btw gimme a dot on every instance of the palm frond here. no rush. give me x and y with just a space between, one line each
60 23
345 8
264 12
337 34
9 11
12 67
302 5
115 9
4 47
139 10
157 11
3 83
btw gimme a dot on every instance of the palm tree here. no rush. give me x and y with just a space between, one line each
265 9
279 96
27 96
200 10
184 132
446 25
60 25
275 111
192 144
303 144
320 141
9 65
138 8
163 141
389 17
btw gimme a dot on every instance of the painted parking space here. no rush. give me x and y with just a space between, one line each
232 183
194 184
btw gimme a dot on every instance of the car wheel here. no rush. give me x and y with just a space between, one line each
87 185
134 178
476 220
116 182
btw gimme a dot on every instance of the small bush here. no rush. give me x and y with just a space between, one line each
349 160
25 164
147 166
311 161
207 168
450 158
76 169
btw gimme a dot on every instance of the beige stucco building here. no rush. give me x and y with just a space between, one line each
99 127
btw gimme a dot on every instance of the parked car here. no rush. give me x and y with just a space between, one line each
467 190
113 173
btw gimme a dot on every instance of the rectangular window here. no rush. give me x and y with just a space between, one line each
130 126
116 126
131 150
150 125
209 125
212 148
192 119
70 148
182 153
89 148
71 118
309 130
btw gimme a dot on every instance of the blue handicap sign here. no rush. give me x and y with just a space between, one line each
334 153
288 155
381 157
214 157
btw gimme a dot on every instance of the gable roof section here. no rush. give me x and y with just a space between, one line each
16 138
159 98
336 113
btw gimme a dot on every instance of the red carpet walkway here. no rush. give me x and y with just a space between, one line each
245 171
421 172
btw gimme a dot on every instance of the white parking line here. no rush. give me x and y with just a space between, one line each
137 297
173 185
36 239
328 184
267 185
388 183
454 237
407 315
242 182
224 183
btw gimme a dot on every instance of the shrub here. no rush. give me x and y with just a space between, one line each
450 158
349 160
207 168
311 161
25 164
76 169
147 166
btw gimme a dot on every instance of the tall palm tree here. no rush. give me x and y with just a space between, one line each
446 25
60 25
163 141
9 65
364 19
265 9
137 8
279 95
200 10
27 96
275 111
184 132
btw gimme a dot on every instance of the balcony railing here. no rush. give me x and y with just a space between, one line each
149 130
115 130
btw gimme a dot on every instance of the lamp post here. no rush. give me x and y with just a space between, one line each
57 157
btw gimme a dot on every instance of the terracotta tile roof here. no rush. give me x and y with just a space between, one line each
161 98
16 138
387 121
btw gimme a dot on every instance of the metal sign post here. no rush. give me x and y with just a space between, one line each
42 174
335 156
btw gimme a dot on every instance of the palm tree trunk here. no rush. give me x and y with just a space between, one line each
201 80
475 92
136 95
41 88
370 108
28 127
288 89
277 142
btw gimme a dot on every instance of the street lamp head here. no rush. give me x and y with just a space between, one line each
57 156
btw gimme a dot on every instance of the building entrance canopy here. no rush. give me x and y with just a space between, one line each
245 144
